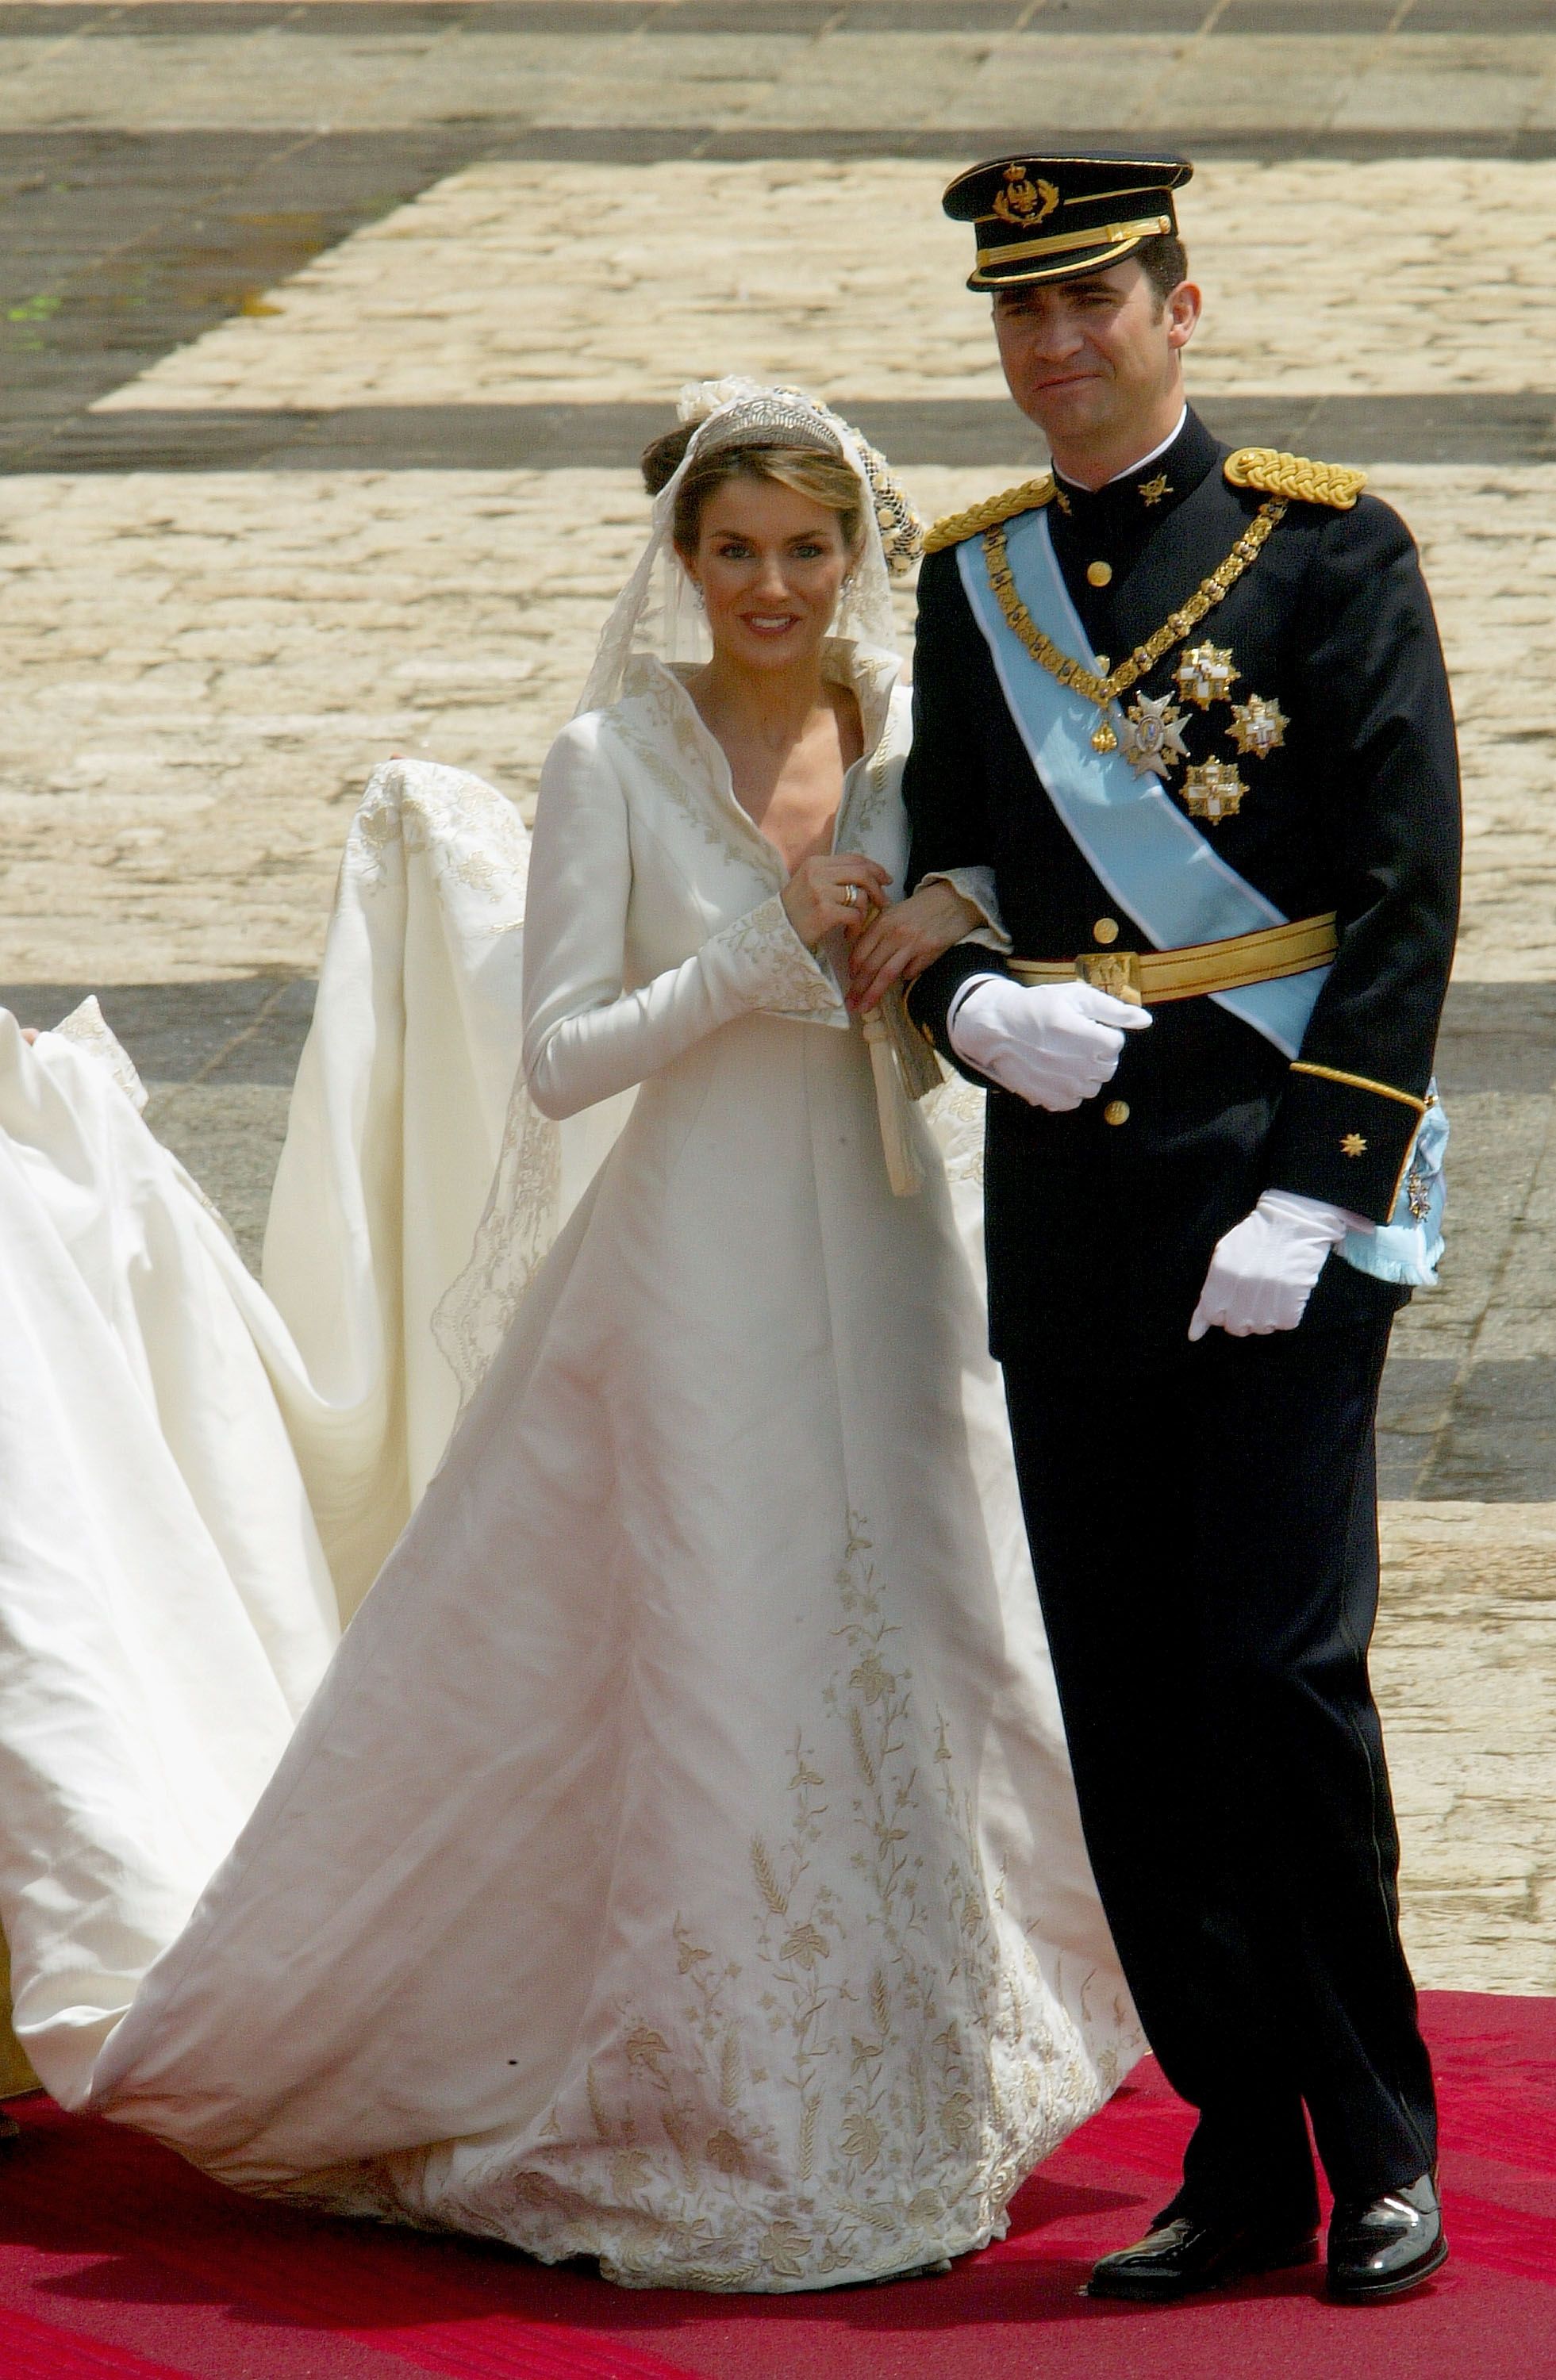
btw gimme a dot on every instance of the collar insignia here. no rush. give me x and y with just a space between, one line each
1153 490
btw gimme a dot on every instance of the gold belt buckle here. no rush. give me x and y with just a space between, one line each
1117 972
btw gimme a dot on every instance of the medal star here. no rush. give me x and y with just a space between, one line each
1214 791
1152 735
1354 1145
1205 674
1153 490
1257 726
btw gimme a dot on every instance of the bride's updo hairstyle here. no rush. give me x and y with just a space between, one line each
812 465
746 431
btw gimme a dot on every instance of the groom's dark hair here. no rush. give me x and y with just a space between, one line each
1164 261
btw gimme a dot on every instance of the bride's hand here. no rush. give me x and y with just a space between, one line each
904 941
844 889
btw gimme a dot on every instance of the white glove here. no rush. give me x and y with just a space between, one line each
1052 1044
1263 1270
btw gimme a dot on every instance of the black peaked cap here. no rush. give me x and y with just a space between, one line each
1049 218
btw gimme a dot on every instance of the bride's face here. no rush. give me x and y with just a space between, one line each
770 564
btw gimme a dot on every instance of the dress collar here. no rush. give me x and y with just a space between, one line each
870 670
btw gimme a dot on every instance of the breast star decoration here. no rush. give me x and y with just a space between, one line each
1258 727
1152 735
1213 790
1205 674
1354 1145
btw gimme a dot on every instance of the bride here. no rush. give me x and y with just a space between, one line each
677 1864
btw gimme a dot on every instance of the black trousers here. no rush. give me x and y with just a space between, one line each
1205 1545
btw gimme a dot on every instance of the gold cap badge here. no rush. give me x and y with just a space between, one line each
1023 201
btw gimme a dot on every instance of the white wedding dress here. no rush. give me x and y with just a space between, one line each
678 1863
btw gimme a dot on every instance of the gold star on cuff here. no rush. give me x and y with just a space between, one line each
1354 1145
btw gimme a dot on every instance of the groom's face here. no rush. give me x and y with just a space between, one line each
1089 358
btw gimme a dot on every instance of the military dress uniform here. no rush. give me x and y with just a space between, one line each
1203 1515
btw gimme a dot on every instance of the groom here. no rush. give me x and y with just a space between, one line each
1187 705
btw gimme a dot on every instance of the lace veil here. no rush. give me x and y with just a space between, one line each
656 611
542 1166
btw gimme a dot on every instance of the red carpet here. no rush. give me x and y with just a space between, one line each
120 2262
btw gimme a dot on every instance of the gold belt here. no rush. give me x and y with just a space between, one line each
1147 977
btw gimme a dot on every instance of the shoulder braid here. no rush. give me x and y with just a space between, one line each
990 513
1293 477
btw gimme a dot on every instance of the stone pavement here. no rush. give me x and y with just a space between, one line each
1465 1664
328 334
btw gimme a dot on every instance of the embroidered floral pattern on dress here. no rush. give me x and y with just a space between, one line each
472 835
475 1313
956 1115
773 967
90 1029
875 2104
657 721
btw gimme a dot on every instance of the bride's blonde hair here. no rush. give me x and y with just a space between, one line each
825 478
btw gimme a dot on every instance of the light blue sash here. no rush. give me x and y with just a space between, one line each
1157 865
1154 861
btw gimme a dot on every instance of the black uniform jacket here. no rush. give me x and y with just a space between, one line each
1102 1223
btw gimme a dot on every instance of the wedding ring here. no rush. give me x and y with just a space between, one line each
850 895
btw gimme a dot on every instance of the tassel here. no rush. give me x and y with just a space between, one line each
902 1166
917 1062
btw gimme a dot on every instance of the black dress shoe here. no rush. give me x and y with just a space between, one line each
1182 2254
1382 2247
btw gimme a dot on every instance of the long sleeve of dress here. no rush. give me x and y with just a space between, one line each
586 1037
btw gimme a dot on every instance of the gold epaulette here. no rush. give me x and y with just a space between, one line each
1274 474
990 513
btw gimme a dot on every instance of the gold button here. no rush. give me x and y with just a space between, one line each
1105 929
1099 573
1116 1112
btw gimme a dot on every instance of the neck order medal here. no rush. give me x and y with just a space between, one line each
1104 690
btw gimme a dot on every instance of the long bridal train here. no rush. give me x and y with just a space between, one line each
743 1941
